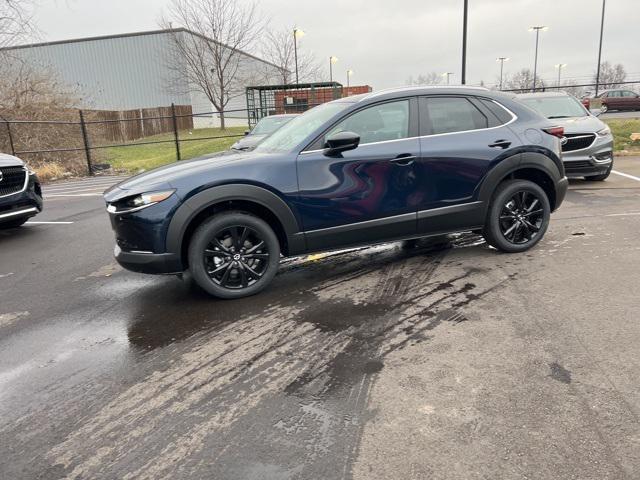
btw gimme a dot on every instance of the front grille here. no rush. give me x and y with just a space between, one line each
578 141
12 180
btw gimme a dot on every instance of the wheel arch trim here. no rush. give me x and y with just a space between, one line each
224 193
506 167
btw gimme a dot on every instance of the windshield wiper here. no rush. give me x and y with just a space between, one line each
560 116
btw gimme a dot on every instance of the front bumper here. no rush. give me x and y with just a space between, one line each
141 239
597 159
148 262
26 203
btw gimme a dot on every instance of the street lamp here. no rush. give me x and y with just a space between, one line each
297 33
560 66
447 74
536 29
332 60
501 60
349 73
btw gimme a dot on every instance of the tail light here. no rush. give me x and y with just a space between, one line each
555 131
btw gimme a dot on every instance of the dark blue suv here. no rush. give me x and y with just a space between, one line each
395 164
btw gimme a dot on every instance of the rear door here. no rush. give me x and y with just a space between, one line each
366 194
631 100
461 138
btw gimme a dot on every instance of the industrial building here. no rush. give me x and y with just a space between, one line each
131 71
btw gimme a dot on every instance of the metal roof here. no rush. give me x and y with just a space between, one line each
126 35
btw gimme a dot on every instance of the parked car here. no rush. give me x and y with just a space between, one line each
396 164
265 127
20 192
588 150
616 100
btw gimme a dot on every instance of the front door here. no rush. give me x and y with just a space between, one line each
461 137
367 194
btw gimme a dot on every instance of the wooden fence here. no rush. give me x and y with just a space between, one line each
128 125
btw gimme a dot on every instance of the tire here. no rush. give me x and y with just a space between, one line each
14 223
599 178
604 108
508 227
225 265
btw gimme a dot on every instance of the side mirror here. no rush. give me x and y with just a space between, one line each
341 142
246 132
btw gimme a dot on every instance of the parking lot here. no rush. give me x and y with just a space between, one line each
439 360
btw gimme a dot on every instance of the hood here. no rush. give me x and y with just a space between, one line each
169 176
250 141
588 124
7 160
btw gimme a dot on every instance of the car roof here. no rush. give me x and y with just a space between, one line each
542 95
281 115
399 92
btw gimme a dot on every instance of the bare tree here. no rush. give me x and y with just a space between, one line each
278 48
15 21
522 80
611 75
432 78
211 58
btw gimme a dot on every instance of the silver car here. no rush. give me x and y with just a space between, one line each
588 151
265 127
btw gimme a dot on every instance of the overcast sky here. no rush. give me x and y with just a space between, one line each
385 42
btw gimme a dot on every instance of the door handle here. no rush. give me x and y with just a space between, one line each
500 144
404 159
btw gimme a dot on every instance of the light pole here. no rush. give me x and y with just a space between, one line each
332 60
297 33
560 66
464 42
447 74
600 48
536 29
349 73
501 60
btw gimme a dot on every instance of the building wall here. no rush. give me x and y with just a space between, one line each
131 71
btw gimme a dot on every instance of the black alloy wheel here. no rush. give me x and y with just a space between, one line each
518 216
237 257
521 217
234 254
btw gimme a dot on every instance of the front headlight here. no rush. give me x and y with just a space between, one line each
138 202
604 132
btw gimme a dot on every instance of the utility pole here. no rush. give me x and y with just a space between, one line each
464 42
501 60
600 48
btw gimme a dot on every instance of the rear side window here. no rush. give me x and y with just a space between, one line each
448 115
502 115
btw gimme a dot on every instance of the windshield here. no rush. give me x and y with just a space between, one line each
299 128
269 125
556 107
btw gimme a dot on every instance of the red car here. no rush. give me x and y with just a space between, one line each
616 100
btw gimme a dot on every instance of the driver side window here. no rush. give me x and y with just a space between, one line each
387 121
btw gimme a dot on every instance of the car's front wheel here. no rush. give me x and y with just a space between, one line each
14 223
233 255
518 216
604 108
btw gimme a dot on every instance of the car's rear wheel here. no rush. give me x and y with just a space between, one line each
233 255
14 223
518 216
604 108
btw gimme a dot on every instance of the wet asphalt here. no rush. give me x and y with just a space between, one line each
439 360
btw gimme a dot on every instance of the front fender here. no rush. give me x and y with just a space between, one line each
223 193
